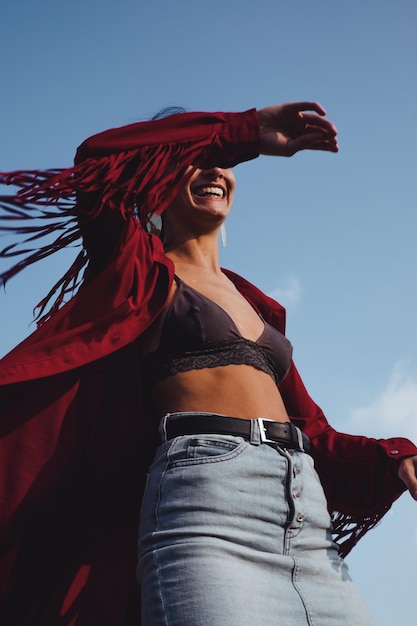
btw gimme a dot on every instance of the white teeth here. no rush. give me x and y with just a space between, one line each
218 192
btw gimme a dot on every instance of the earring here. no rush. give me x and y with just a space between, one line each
223 235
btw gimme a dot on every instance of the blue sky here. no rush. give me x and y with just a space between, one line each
332 236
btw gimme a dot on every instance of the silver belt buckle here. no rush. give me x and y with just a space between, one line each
264 438
262 430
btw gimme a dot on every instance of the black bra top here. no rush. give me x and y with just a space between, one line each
197 333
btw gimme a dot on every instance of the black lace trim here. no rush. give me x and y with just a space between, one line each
238 351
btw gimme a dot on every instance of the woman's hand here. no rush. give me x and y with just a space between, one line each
287 128
407 471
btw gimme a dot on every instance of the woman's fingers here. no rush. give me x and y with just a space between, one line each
306 106
311 141
287 128
314 121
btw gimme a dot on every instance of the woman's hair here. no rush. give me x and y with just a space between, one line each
167 111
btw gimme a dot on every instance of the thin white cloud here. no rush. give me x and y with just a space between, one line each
289 295
394 412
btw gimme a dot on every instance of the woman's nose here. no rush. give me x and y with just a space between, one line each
214 172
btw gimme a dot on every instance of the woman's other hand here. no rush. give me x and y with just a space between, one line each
287 128
407 471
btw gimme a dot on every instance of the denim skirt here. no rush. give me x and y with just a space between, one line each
237 533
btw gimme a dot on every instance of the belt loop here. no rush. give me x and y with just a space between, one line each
300 438
255 436
163 428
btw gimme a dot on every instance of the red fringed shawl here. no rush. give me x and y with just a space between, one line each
76 435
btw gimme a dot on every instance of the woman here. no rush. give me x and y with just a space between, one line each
234 527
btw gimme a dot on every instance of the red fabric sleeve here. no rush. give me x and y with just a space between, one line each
358 474
234 136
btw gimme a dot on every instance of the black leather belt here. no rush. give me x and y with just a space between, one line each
283 433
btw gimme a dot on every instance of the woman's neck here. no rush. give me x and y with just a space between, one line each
196 254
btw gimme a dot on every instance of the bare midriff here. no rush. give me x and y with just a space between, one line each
231 390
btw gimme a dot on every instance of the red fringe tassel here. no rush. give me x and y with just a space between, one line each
137 182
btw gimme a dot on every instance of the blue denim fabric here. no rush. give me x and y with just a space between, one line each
237 533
